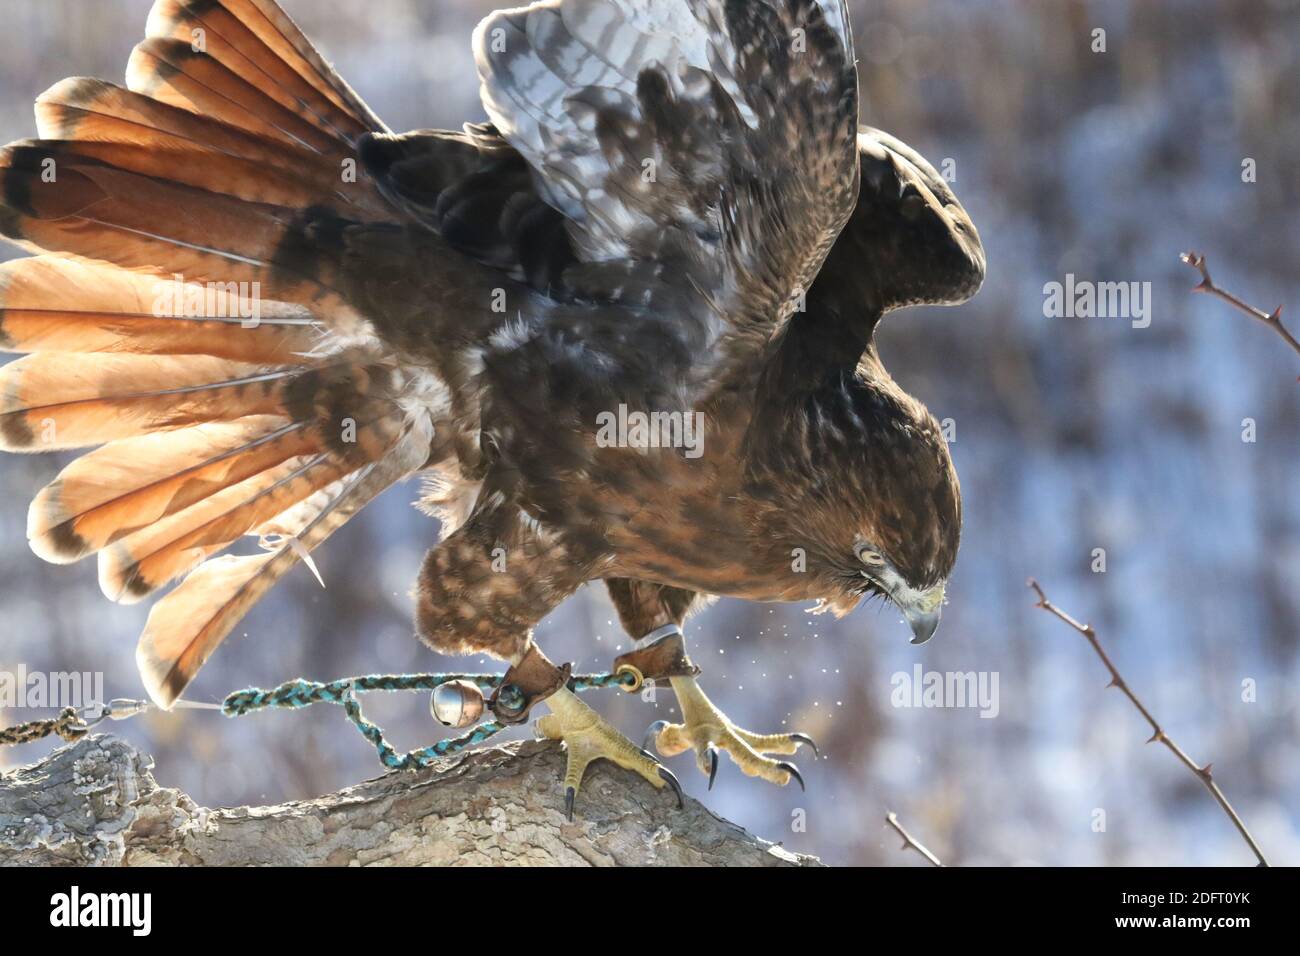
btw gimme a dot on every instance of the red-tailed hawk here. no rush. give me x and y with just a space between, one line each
260 308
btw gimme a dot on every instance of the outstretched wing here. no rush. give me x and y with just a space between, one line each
703 151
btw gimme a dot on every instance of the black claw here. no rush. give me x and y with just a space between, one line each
712 754
569 794
671 779
793 771
805 739
652 734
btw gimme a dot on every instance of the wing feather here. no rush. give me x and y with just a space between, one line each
716 137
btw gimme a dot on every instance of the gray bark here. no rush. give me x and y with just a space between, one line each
95 802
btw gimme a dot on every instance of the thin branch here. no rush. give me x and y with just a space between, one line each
1272 319
910 842
1202 773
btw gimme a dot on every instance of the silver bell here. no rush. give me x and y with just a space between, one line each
457 703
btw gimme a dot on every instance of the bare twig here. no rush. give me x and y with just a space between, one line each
910 842
1272 319
1202 773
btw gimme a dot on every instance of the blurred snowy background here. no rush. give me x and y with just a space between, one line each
1071 435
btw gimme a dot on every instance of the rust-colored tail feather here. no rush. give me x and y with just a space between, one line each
48 304
128 485
171 71
54 401
154 556
58 200
186 626
187 321
93 111
238 39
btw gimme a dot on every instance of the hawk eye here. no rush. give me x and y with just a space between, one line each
870 557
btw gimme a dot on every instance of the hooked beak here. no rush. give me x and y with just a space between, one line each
923 623
921 608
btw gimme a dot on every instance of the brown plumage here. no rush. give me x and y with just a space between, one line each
671 210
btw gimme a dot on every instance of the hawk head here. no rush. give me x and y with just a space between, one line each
868 493
902 500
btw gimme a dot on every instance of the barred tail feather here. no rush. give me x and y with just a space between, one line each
48 304
57 200
172 71
90 111
226 159
54 401
145 560
184 321
186 626
142 562
249 45
116 490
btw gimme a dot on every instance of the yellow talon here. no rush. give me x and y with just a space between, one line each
588 737
705 729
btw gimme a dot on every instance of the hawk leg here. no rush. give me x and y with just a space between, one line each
704 728
473 601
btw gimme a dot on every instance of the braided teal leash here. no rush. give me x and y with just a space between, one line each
300 693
